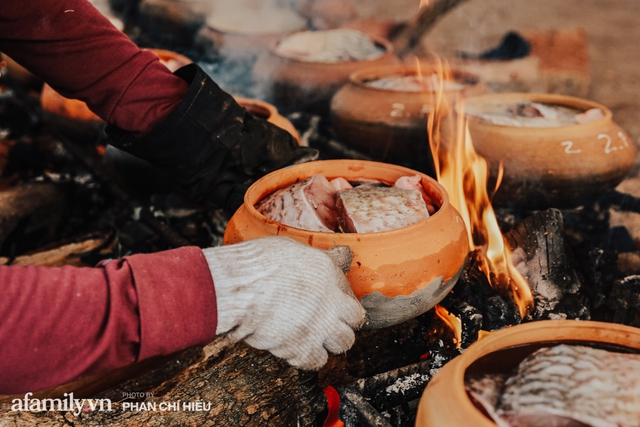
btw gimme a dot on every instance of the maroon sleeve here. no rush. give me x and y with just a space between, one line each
79 53
58 324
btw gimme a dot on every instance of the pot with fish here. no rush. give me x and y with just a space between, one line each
409 243
303 70
561 373
382 111
556 150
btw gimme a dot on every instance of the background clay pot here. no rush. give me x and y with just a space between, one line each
445 401
236 43
396 274
554 166
270 113
74 118
391 125
295 85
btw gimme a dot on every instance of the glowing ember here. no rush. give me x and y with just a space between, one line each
452 322
464 175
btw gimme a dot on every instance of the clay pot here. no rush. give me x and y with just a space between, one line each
445 401
395 274
554 166
295 85
391 125
270 113
237 44
74 118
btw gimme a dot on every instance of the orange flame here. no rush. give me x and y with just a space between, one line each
452 322
464 174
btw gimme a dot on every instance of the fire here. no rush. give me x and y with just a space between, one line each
464 174
452 322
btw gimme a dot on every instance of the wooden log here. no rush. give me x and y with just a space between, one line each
30 207
63 255
553 280
410 36
237 385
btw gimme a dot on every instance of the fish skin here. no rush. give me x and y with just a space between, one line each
309 205
369 209
569 386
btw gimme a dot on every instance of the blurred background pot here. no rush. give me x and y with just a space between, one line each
395 274
552 166
445 401
73 117
234 33
296 85
391 124
270 113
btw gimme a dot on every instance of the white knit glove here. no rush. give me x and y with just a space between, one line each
285 297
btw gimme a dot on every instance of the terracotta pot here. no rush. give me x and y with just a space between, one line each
445 401
295 85
390 125
270 113
553 166
396 274
238 44
74 118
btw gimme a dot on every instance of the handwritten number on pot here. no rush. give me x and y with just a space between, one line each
607 148
623 138
397 110
568 147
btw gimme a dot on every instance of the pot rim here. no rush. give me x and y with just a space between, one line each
560 331
358 76
549 98
254 35
386 44
164 54
515 336
257 106
251 194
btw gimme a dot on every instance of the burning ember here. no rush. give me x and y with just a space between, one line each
464 175
452 321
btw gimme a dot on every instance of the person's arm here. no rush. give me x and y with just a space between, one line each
79 53
58 324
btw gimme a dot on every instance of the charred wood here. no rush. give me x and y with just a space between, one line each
551 275
410 36
29 211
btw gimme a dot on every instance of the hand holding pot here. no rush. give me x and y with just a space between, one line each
286 297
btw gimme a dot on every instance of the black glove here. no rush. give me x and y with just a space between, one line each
212 146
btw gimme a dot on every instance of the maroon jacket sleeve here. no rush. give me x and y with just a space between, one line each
57 324
79 53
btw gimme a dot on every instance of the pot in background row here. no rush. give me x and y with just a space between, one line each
445 401
296 85
397 274
248 35
552 166
391 124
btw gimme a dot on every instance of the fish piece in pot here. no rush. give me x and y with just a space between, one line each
309 204
570 386
368 209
